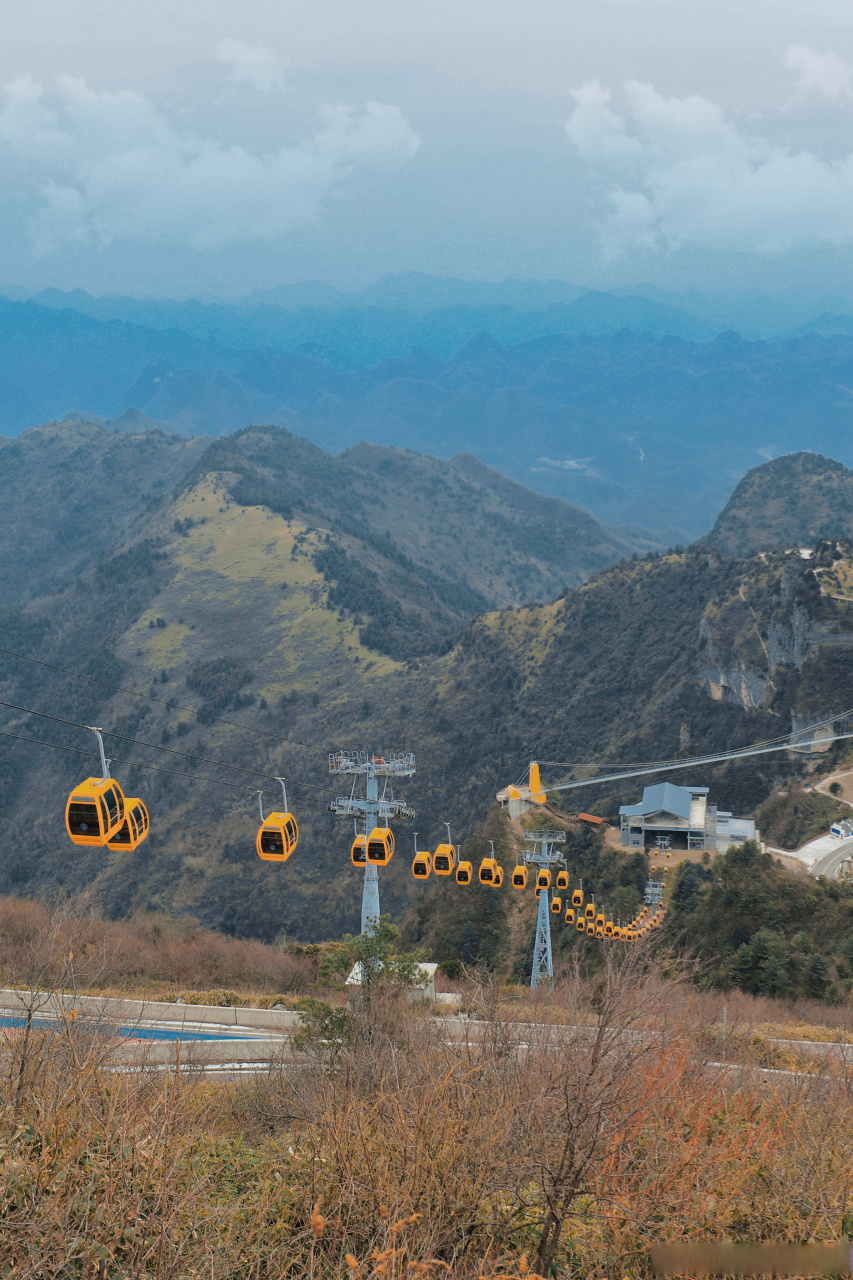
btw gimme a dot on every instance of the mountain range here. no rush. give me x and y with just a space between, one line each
613 403
256 604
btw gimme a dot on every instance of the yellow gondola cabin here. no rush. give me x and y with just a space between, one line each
422 865
488 870
444 860
94 811
133 830
278 834
380 846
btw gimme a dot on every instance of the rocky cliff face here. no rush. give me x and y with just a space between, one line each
790 624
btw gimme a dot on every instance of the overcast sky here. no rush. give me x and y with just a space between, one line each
220 146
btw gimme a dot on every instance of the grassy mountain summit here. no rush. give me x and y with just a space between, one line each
791 501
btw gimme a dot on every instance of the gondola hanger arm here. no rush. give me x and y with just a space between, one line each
105 763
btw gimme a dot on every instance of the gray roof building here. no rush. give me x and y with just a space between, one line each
681 818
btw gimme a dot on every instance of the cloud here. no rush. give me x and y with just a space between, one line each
676 172
97 168
252 65
823 73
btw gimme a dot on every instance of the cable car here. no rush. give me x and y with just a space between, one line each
422 865
278 834
589 911
519 878
590 928
617 931
562 879
543 880
464 872
358 852
133 830
94 812
380 846
488 867
277 837
557 906
444 860
581 925
600 920
608 929
570 915
577 898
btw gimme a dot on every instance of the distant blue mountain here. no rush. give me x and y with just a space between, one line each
827 324
375 326
641 430
640 424
53 361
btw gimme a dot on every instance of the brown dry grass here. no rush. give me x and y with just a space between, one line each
414 1145
155 957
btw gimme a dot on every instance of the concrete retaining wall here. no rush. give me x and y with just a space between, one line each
132 1011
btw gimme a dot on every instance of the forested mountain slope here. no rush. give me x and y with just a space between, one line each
70 490
231 597
789 502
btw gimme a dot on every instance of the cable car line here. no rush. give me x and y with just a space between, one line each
193 777
647 766
688 764
255 773
149 697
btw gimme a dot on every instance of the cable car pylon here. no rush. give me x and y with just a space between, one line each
372 812
544 857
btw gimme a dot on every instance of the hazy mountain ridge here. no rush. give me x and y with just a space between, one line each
384 321
639 429
645 430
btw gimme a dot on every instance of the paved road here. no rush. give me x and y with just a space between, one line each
830 862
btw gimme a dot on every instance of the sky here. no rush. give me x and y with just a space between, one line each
217 147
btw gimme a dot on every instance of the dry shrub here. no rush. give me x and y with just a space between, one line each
149 955
399 1144
577 1140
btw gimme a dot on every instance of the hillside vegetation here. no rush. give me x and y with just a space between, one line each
793 501
766 930
322 1166
267 609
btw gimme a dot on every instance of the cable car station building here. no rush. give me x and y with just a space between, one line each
685 816
682 813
